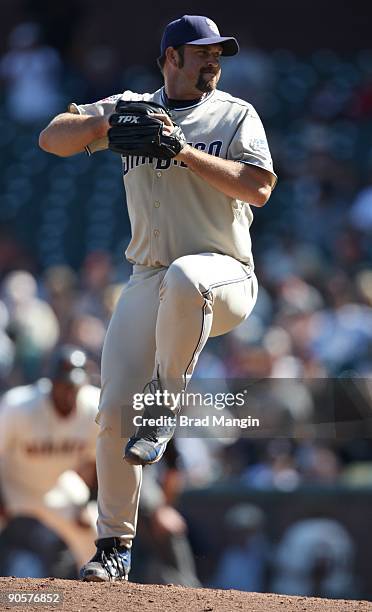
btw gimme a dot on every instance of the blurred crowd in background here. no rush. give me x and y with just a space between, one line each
63 231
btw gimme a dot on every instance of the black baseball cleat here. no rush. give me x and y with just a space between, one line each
148 444
110 563
158 425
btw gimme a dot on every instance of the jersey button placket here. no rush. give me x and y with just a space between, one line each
155 220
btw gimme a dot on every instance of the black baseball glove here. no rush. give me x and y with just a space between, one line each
135 131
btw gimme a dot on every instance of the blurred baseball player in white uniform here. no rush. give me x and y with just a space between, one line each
193 274
47 434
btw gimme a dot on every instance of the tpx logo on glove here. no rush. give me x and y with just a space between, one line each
128 119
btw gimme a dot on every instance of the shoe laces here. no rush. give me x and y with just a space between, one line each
110 560
152 434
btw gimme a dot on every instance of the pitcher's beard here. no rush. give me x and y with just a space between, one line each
205 86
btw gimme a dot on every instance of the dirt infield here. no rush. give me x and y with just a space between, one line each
132 597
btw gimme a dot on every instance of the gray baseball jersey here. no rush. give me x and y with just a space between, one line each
172 211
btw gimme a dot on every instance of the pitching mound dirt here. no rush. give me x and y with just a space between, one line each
131 597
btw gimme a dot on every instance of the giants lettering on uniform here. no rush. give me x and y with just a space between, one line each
48 447
129 163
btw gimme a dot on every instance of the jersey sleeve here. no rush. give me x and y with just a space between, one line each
249 144
102 108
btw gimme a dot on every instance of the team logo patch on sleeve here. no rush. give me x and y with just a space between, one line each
259 145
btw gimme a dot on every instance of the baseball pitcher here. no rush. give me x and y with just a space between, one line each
195 160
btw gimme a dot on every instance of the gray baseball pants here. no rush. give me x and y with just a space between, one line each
160 325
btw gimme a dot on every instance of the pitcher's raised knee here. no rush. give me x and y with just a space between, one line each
181 284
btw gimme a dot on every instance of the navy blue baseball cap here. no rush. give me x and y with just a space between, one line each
196 30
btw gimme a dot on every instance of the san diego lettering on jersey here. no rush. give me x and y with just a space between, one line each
133 161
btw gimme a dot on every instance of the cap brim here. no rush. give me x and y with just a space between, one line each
230 45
